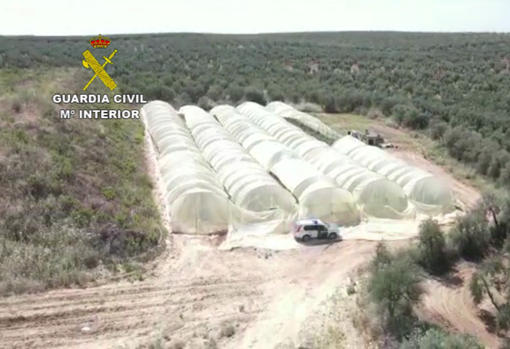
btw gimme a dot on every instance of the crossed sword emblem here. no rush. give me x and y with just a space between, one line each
91 62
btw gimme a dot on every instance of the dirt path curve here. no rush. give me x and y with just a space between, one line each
451 306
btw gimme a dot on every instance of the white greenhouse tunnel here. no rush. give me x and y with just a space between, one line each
196 200
290 135
376 195
318 195
248 183
267 150
289 112
431 195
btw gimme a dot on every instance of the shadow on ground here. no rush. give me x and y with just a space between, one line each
318 242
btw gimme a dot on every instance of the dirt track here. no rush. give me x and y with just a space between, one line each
197 293
452 307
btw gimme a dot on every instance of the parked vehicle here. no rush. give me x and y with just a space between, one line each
307 229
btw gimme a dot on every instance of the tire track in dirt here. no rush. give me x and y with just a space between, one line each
184 299
265 297
452 307
307 284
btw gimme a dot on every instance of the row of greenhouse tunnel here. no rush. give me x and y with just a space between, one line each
249 164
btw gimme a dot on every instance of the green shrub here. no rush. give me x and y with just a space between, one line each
471 235
431 254
394 285
253 94
439 339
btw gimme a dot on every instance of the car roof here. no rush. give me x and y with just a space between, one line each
309 222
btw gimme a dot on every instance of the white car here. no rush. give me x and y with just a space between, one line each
307 229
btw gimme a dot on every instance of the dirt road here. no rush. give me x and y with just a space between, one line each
451 306
198 295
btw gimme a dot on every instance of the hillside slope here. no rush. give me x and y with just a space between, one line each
76 202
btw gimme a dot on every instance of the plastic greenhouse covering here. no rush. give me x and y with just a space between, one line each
377 196
247 182
195 198
289 112
318 195
430 195
197 201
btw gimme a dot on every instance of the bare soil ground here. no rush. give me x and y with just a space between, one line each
449 304
198 295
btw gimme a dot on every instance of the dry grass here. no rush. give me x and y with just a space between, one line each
346 121
75 199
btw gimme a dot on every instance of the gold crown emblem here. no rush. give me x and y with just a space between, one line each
100 42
